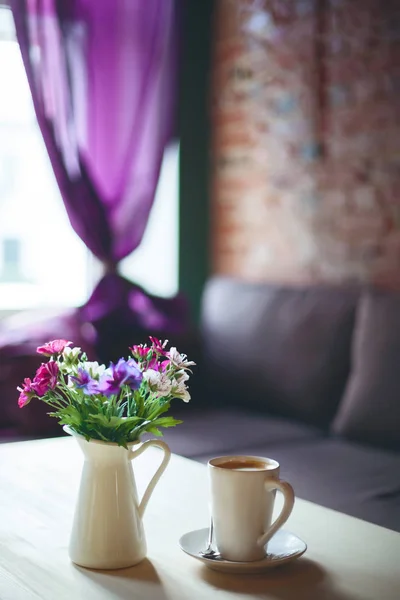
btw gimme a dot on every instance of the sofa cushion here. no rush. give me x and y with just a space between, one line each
357 480
217 432
370 409
283 349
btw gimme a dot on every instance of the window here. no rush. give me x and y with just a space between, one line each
43 263
154 265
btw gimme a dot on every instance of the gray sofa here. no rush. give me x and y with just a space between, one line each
310 377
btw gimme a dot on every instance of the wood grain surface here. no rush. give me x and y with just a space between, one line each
347 559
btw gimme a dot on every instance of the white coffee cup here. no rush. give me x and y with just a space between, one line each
242 502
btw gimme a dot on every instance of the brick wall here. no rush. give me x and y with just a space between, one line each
306 140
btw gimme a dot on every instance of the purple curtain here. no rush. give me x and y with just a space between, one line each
103 75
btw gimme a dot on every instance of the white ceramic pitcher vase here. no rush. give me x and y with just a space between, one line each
107 531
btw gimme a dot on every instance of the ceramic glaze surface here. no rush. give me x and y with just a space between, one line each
242 504
107 531
283 548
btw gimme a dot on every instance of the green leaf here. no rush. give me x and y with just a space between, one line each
133 420
159 410
155 431
103 420
69 416
140 405
166 422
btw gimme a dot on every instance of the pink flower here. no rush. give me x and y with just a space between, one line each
153 364
139 351
27 392
45 378
54 347
158 346
158 365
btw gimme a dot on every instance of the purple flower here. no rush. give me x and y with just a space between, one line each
125 372
85 382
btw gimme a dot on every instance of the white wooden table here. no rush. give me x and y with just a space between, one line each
347 559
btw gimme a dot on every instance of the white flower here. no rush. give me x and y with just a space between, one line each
158 382
93 368
181 391
181 377
179 360
70 360
152 377
71 354
164 387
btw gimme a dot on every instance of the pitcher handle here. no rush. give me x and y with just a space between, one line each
154 480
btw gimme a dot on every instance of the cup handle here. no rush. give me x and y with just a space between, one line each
154 480
288 495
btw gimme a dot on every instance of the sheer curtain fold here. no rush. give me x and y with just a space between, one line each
103 76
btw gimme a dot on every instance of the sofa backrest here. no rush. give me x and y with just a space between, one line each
279 349
369 411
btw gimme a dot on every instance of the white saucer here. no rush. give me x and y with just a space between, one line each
283 548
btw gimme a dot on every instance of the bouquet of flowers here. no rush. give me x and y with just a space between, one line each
115 404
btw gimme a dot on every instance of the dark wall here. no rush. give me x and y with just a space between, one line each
194 149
